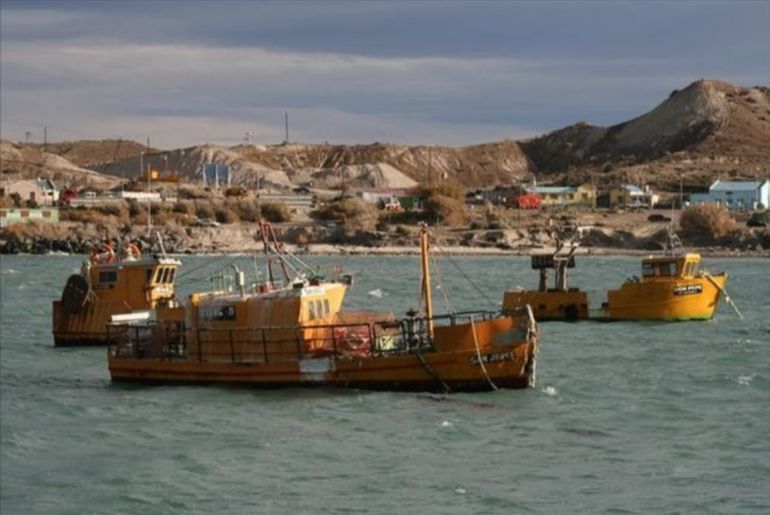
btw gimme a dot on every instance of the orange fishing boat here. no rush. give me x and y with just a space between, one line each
113 281
294 333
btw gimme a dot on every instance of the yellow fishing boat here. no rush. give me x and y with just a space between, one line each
111 282
292 331
671 287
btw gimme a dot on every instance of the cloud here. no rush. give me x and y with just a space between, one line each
188 92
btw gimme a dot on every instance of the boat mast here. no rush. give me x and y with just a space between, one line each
424 249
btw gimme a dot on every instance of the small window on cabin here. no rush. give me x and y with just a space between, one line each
311 310
225 313
108 277
319 308
647 270
326 307
158 274
166 273
171 274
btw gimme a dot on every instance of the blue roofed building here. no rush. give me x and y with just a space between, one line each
736 195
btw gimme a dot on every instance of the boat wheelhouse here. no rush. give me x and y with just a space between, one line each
111 282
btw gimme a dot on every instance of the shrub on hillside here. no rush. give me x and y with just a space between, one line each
192 193
118 209
135 209
246 210
352 213
85 216
185 207
275 212
444 203
203 209
706 223
444 209
236 191
445 188
225 215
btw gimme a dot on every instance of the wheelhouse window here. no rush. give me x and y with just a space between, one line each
326 307
319 308
662 269
171 274
311 310
225 313
108 277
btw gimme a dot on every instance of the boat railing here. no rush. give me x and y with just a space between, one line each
169 340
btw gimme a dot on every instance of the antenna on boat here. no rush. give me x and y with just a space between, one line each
426 293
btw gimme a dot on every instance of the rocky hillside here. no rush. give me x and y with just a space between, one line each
19 161
708 129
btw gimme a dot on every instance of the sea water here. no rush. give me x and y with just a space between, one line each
625 417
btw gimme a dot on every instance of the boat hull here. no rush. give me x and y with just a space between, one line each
462 365
458 371
549 305
695 298
680 299
89 326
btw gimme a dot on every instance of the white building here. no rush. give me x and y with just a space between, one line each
736 195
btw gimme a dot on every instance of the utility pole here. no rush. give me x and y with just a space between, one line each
430 167
286 126
45 138
27 135
149 198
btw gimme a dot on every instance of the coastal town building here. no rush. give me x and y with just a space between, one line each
736 195
42 192
630 195
24 215
583 195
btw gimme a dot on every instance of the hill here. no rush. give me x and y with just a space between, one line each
708 129
19 161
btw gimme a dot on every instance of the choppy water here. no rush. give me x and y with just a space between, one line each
626 418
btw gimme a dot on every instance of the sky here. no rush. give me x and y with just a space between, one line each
429 72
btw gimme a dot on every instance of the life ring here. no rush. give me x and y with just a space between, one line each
105 254
133 251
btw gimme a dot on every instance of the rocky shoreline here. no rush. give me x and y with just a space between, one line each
318 239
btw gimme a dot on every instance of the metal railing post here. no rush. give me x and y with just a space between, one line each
232 347
264 344
200 355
